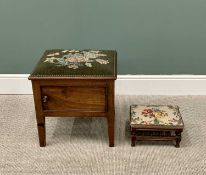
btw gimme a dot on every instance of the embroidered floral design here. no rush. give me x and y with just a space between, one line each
53 54
74 59
51 60
154 112
73 66
155 115
88 64
101 61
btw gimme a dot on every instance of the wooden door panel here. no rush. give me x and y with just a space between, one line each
74 98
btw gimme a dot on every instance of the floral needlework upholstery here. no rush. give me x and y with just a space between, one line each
76 63
155 115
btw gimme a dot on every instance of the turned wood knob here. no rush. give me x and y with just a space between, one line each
45 99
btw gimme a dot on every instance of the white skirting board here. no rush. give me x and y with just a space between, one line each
125 84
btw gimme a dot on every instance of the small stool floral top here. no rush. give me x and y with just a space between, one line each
165 115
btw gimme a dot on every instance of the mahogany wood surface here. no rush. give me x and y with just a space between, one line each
73 98
156 134
74 83
69 98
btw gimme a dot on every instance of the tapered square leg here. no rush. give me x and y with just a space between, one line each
42 134
110 123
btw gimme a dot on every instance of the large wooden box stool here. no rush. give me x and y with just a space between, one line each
74 83
155 122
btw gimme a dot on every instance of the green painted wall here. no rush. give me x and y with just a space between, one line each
151 36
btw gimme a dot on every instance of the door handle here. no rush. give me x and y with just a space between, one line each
45 99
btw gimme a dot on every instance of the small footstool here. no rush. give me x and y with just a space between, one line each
155 122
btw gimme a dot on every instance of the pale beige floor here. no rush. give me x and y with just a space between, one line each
80 146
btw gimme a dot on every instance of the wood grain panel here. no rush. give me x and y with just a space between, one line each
71 98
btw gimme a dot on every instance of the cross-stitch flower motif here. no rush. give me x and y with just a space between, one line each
152 115
154 112
70 58
88 64
101 61
73 66
147 112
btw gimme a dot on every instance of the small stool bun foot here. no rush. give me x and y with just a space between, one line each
177 145
178 140
133 139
